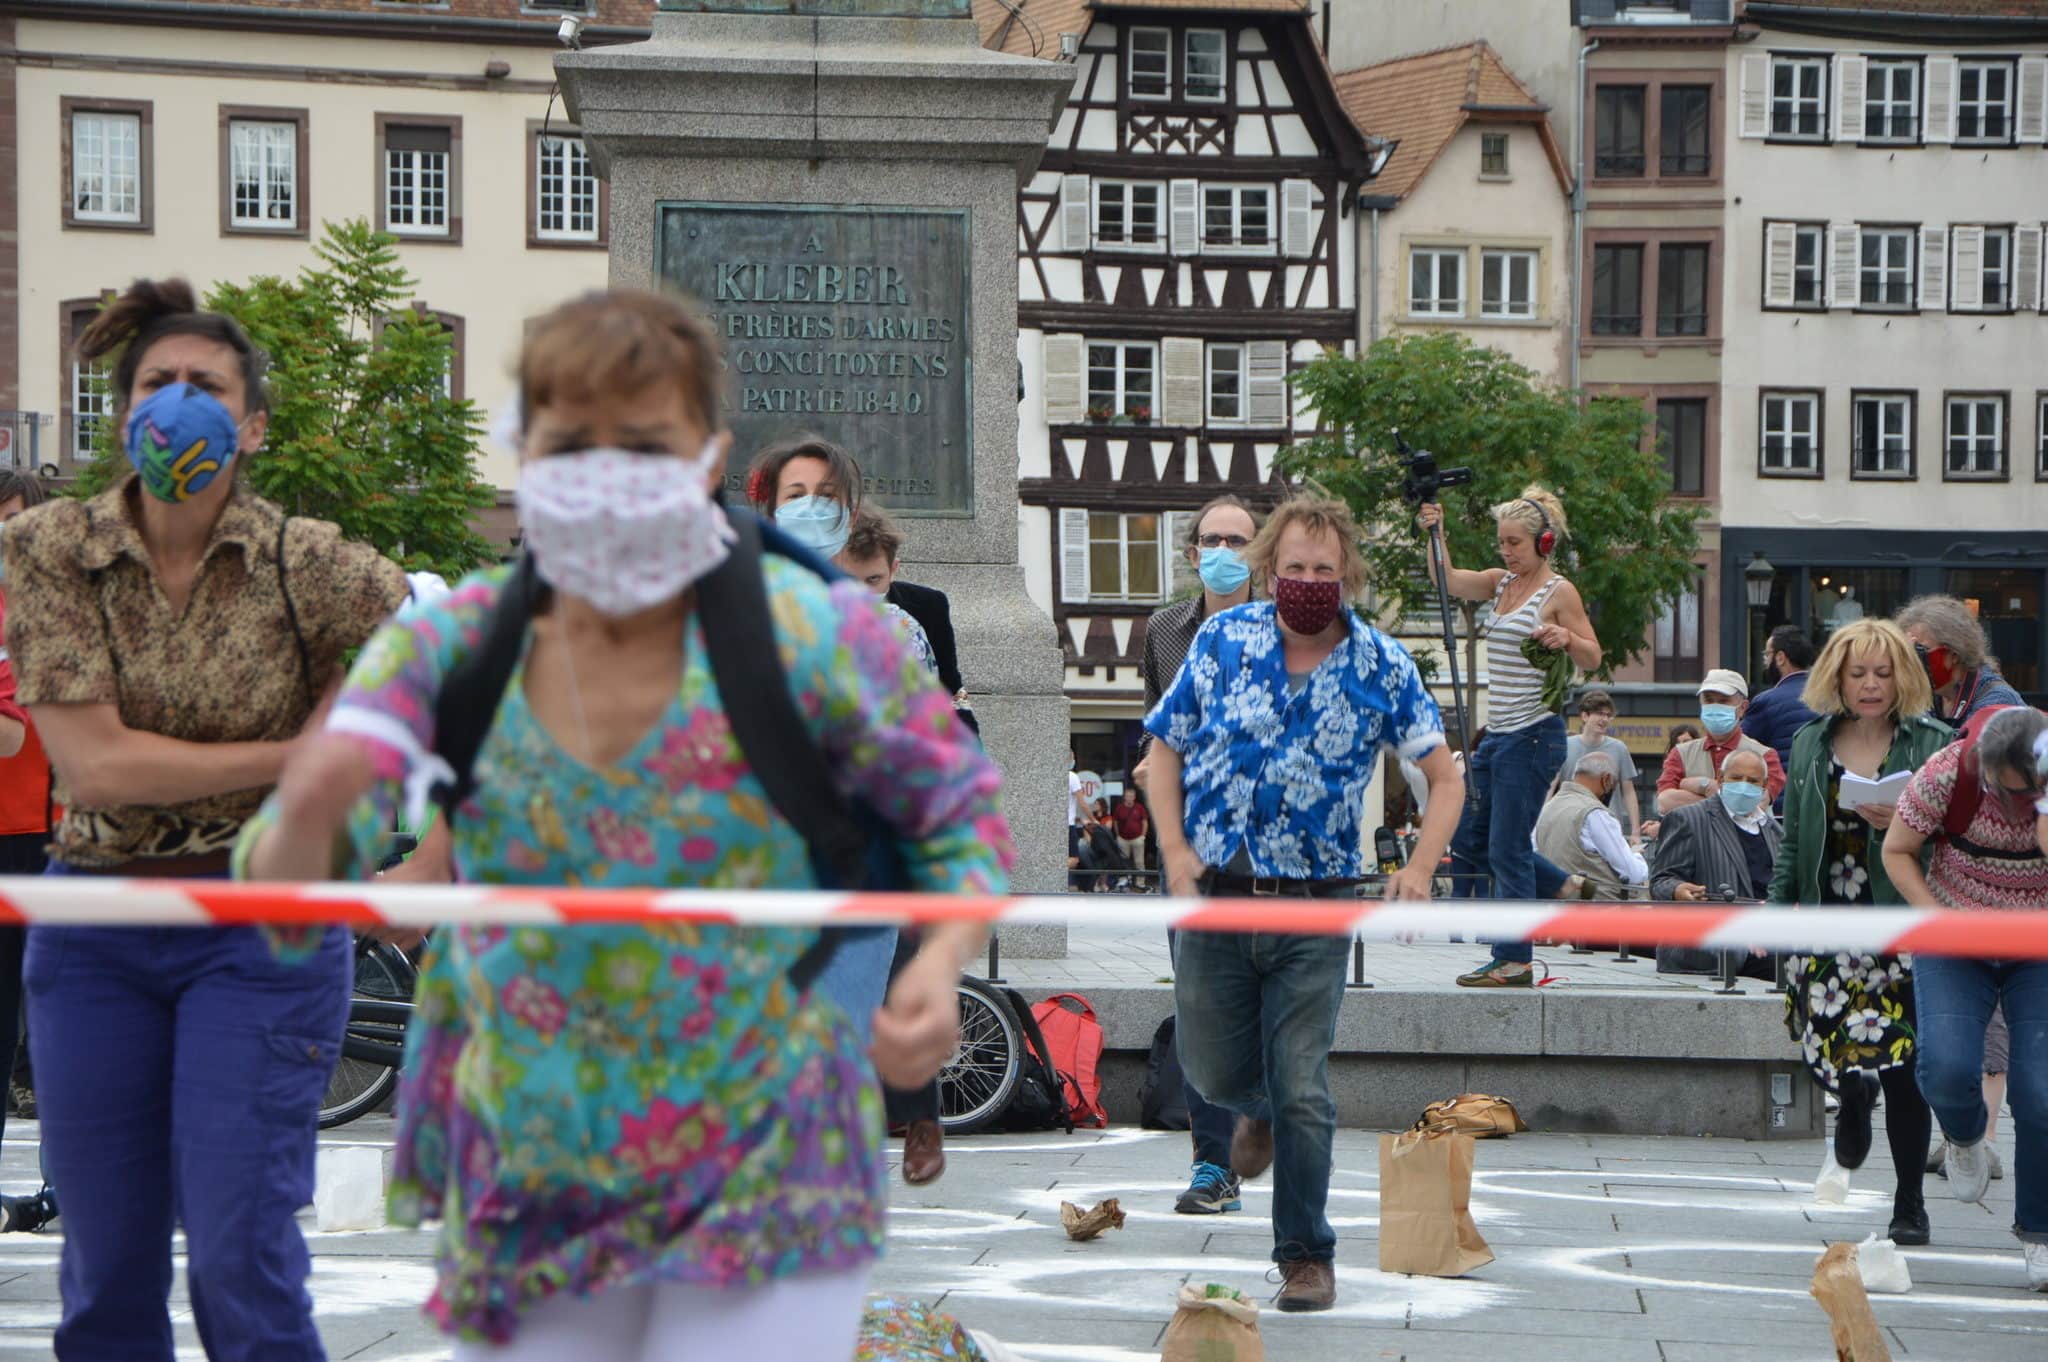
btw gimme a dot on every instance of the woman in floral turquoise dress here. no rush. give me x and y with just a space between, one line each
644 1141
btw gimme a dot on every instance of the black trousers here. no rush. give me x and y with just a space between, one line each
919 1104
20 854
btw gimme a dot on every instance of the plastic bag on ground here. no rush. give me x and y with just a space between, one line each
1883 1267
1213 1324
348 1189
1831 1188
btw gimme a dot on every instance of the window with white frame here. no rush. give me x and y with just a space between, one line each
1124 557
1891 101
91 404
1507 284
263 168
1128 213
1883 435
1975 423
1994 266
1799 98
1122 379
565 199
1984 102
1436 282
1227 384
1790 434
1887 266
1675 638
1237 217
106 166
1493 154
416 180
1205 64
1809 268
1151 63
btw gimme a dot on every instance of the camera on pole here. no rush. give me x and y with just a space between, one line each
1423 481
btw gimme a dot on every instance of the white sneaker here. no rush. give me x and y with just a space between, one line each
1969 1170
2037 1265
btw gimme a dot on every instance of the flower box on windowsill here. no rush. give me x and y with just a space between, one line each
1100 415
1140 416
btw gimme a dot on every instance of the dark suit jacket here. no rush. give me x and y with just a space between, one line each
929 607
1778 714
1700 844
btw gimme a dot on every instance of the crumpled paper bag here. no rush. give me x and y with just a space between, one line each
1883 1267
1838 1286
1081 1226
1213 1324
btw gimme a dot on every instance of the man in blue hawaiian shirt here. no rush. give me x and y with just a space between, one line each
1268 740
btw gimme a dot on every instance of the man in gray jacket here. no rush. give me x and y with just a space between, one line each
1578 833
1720 846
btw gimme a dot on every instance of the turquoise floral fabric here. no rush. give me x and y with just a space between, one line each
599 1106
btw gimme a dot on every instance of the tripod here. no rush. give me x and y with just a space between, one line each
1443 606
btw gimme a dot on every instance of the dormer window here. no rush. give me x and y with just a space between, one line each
1183 65
1206 50
1151 64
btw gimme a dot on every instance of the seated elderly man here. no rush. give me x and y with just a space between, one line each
1722 846
1578 833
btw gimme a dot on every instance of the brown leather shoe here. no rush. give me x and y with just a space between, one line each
1251 1147
924 1153
1307 1284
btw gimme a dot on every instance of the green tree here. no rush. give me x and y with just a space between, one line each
363 429
1630 549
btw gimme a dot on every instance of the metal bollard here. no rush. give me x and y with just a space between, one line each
995 958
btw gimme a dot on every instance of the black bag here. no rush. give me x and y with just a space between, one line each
1163 1096
1040 1100
852 847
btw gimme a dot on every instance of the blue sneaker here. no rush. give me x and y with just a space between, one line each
1211 1191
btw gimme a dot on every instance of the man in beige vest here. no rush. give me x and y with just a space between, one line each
1578 834
1692 770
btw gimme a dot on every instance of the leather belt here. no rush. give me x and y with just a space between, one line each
1263 887
164 867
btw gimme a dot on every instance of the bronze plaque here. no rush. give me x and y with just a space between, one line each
847 322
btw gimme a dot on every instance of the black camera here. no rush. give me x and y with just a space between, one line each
1424 480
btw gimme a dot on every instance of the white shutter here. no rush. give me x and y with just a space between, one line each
1297 221
1065 380
1173 553
2026 269
1180 360
1185 216
1934 268
1852 82
1941 99
1074 557
1074 209
1966 289
1845 264
1756 94
2033 114
1266 383
1781 253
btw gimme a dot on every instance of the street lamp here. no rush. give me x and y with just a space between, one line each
1756 581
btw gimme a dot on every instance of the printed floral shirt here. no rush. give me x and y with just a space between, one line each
1283 776
87 623
601 1106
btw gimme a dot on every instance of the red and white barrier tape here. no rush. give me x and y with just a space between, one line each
81 901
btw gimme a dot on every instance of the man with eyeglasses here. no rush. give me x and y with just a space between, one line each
1214 548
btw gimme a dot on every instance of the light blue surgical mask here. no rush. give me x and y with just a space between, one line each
1223 570
820 524
1740 797
1719 719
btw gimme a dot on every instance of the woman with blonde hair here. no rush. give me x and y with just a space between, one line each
1511 771
1853 1014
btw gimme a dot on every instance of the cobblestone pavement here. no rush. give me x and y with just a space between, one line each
1611 1248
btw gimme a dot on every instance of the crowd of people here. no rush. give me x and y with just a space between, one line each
653 1141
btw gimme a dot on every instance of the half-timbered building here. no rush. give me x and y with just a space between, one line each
1188 239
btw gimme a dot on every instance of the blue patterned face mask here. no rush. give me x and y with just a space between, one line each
179 440
820 524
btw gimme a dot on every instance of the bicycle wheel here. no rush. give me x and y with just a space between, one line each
976 1084
358 1087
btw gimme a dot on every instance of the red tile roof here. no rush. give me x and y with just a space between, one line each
1421 102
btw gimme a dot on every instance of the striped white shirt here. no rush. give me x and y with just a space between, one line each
1514 688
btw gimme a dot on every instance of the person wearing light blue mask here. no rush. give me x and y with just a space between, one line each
1692 770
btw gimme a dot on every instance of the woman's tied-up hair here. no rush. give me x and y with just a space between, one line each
150 311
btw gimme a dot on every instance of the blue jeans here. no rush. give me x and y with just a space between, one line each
857 976
1209 1125
1509 778
1954 999
180 1072
1257 1016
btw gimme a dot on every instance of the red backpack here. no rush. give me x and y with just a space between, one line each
1968 795
1073 1043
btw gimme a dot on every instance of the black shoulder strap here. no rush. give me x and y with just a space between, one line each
291 614
746 662
474 687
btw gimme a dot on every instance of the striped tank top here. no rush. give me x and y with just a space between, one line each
1514 689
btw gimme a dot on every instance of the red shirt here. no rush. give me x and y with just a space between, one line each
25 776
1130 820
1673 774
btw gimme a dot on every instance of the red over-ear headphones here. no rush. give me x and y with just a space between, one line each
1546 539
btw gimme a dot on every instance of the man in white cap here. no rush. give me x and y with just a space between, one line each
1692 770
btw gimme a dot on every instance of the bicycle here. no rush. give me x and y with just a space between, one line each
977 1083
373 1046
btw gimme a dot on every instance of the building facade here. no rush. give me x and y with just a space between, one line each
1885 419
211 142
1187 241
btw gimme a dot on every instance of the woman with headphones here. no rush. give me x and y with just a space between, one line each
1511 772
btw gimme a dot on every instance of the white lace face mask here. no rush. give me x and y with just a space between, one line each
622 531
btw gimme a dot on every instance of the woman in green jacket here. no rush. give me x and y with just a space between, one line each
1853 1014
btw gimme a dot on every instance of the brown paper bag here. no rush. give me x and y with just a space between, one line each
1426 1224
1214 1324
1838 1286
1477 1114
1085 1225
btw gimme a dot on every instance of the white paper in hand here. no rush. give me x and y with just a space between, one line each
1884 792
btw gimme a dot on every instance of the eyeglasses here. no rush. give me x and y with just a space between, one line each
2017 804
1223 541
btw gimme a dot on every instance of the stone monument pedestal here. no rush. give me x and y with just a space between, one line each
730 121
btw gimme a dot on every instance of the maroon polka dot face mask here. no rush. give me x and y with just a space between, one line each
1307 607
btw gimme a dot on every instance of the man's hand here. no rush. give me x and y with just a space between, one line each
1184 870
1411 883
1650 827
1879 816
918 1028
1703 786
1690 893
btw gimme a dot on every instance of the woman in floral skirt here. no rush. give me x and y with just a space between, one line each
646 1141
1853 1014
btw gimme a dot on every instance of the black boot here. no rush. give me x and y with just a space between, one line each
1909 1215
1852 1122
